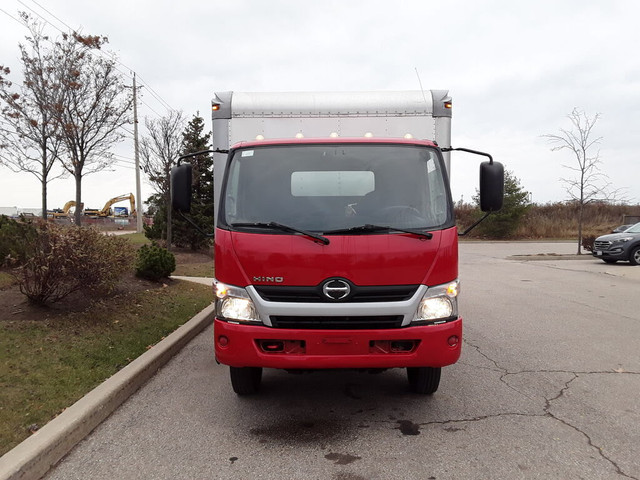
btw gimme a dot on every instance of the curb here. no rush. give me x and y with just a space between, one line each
202 280
35 456
551 256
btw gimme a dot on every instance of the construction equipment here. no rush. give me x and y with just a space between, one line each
106 210
64 211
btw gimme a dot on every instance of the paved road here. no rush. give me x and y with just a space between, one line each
547 387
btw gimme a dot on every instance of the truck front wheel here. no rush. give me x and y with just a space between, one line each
245 380
424 380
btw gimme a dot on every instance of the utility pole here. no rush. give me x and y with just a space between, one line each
137 158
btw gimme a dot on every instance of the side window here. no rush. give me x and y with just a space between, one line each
231 198
437 201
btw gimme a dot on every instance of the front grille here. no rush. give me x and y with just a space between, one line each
337 323
384 293
601 245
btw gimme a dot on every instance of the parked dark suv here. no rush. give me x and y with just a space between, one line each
619 246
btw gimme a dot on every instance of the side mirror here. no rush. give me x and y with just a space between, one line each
491 186
181 187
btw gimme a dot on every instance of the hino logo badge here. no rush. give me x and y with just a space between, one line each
268 279
336 289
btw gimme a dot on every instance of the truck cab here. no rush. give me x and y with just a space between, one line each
336 252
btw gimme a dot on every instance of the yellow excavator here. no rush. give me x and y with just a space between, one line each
64 211
106 210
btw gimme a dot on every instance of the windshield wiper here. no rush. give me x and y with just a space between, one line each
285 228
379 228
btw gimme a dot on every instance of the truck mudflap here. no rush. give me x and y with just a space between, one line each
258 346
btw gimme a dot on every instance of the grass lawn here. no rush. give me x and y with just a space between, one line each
6 280
136 238
189 264
203 269
49 358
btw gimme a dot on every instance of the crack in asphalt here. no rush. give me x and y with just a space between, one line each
477 349
547 410
548 402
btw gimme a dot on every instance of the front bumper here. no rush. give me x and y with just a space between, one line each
244 346
613 254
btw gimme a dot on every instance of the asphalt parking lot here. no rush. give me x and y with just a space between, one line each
547 387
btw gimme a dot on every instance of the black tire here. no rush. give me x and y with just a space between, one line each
245 380
424 380
609 260
634 256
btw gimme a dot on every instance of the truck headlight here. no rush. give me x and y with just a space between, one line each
234 304
440 303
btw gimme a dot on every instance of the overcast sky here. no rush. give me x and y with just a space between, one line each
514 70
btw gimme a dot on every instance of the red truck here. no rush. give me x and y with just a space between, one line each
336 245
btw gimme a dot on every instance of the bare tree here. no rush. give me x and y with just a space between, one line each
160 150
29 140
94 107
588 183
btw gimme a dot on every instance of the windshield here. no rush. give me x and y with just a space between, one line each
322 188
633 229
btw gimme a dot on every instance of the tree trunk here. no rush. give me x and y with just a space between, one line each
580 220
44 198
43 180
580 232
78 212
169 219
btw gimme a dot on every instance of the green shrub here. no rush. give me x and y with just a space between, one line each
15 240
504 223
154 262
62 260
153 232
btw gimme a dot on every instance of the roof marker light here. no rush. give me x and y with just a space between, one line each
408 136
259 137
299 135
368 135
333 135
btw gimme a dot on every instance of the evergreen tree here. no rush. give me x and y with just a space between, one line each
194 140
202 209
158 210
504 223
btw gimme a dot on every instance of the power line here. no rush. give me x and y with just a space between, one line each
110 55
34 1
122 157
128 167
93 52
98 52
147 105
123 162
155 94
124 165
11 16
41 17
